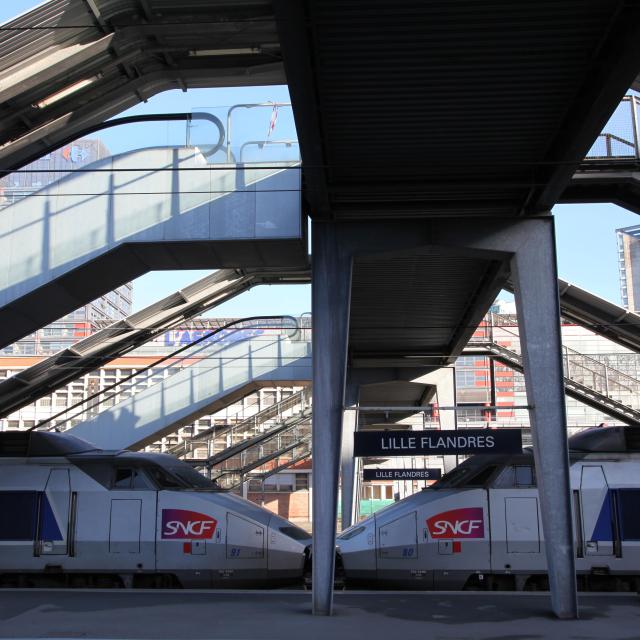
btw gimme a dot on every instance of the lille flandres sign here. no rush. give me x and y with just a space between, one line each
401 474
437 443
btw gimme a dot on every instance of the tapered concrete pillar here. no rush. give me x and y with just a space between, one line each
331 293
534 275
445 382
348 467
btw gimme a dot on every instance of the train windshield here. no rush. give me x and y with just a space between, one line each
180 477
468 474
192 478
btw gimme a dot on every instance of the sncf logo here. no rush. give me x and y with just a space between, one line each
179 524
457 523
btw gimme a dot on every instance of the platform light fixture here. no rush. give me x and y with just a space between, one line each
197 53
67 91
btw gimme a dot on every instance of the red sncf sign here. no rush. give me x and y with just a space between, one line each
457 524
180 524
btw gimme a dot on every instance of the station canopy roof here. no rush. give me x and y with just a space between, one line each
69 64
404 109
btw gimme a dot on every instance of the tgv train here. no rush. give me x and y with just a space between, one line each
78 516
479 527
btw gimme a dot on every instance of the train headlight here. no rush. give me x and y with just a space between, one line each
295 533
351 533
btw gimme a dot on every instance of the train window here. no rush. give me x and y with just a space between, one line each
22 505
506 478
163 479
456 476
127 478
525 476
629 504
191 478
123 478
515 476
179 477
480 478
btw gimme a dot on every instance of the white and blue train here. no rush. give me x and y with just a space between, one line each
73 515
479 527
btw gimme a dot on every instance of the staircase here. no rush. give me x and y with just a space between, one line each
274 438
59 251
276 452
213 442
586 379
216 377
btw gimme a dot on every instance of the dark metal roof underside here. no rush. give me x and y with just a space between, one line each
405 108
131 49
425 303
455 106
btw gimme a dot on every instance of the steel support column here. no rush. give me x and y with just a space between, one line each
331 293
535 278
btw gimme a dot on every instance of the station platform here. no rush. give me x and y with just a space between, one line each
270 615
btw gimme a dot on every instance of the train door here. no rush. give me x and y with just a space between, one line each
596 512
125 525
398 540
245 540
132 520
397 549
516 528
54 515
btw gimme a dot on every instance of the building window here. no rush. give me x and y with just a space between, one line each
377 492
268 398
280 482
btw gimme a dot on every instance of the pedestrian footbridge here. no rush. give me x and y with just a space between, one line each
151 209
611 170
216 376
122 336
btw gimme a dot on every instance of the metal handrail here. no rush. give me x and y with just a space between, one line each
249 105
271 442
266 474
262 460
261 416
607 368
616 372
148 367
301 398
258 439
266 143
634 144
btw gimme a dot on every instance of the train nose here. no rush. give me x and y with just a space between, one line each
338 573
289 551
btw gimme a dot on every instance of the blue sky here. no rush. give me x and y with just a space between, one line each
586 239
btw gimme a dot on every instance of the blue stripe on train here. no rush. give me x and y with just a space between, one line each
628 503
603 531
19 517
49 528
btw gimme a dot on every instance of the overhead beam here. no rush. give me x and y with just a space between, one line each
293 29
613 70
46 137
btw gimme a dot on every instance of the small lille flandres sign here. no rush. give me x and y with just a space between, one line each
437 443
401 474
